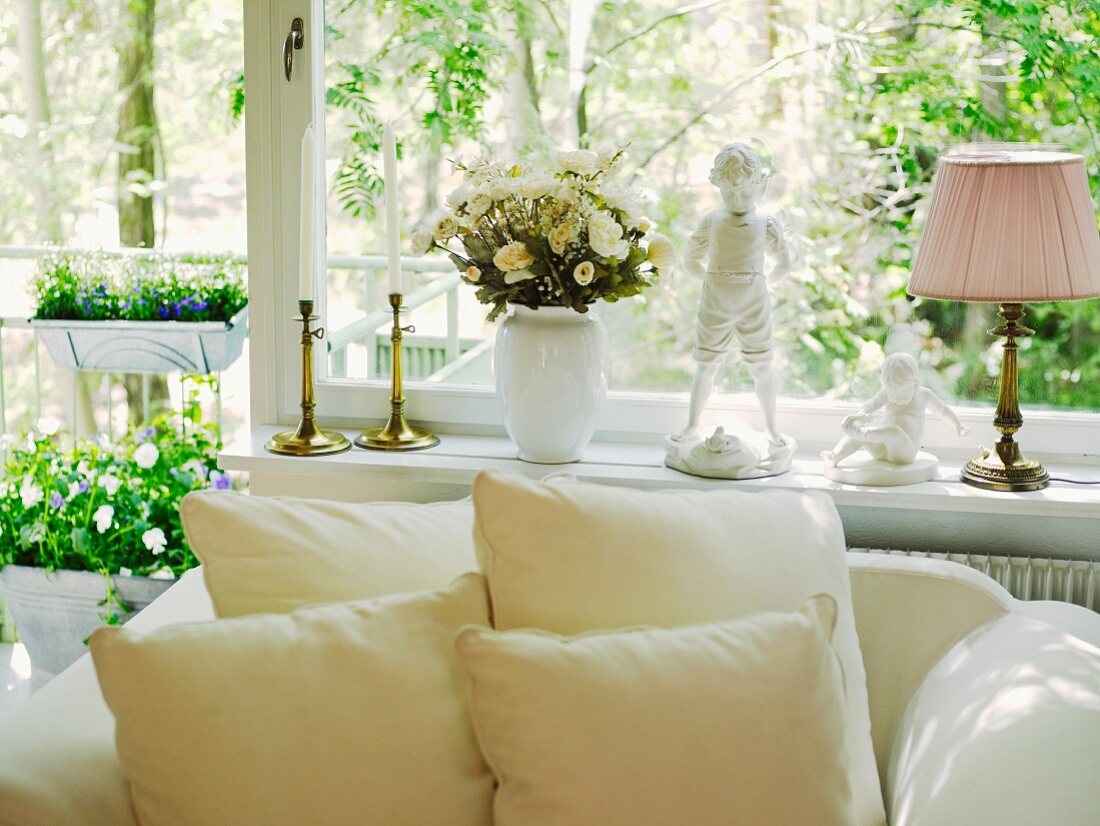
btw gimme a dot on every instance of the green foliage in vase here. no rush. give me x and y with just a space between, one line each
105 507
85 286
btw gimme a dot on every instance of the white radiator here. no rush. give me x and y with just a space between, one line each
1024 577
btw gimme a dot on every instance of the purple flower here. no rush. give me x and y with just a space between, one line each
56 500
220 481
162 312
82 486
199 306
142 436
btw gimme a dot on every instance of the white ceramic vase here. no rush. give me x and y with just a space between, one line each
551 367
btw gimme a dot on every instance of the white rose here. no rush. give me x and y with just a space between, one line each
561 235
478 205
445 227
30 493
420 242
103 517
460 196
580 161
473 274
584 272
154 540
515 276
605 236
146 455
497 190
620 198
514 256
535 186
661 253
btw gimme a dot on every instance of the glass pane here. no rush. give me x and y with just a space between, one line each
848 101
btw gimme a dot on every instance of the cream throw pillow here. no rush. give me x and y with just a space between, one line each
732 722
348 713
570 557
276 554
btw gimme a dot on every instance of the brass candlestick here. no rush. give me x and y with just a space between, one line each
307 439
397 434
1004 467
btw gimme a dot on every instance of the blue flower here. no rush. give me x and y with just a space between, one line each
145 434
199 306
162 312
220 481
56 500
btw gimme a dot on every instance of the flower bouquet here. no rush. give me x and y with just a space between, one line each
548 238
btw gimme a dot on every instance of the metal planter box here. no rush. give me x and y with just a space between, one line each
191 347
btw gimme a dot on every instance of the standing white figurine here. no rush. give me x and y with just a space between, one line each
890 428
728 251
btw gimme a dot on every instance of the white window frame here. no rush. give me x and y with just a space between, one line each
277 113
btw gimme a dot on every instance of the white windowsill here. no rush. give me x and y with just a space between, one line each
459 458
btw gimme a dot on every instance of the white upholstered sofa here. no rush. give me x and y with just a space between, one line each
984 709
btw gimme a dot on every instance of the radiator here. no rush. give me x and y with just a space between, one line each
1027 578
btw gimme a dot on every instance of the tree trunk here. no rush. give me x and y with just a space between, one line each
581 13
137 132
32 70
521 105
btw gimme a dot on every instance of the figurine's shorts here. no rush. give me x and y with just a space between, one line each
734 308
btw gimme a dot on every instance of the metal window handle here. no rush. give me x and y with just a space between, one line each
294 40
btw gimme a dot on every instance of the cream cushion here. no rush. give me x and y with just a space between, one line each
740 721
570 557
277 554
346 713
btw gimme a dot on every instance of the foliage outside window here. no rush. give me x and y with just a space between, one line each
855 99
99 286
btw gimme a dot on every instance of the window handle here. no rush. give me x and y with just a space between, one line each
294 41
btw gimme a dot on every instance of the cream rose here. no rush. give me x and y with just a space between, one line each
536 185
605 236
478 205
460 196
445 227
514 256
584 272
497 190
580 161
515 276
473 274
561 235
661 253
420 242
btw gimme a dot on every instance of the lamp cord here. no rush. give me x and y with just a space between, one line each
1075 481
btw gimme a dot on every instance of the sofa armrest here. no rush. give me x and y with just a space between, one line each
1005 729
57 751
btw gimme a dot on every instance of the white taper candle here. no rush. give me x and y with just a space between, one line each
305 225
393 225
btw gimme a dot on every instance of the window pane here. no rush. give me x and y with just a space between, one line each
850 103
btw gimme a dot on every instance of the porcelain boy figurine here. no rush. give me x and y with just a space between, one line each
890 427
729 251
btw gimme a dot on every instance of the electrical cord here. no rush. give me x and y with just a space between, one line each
1075 481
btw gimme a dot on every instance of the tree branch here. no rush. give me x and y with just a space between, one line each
642 32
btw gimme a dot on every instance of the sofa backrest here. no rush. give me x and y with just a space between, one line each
909 612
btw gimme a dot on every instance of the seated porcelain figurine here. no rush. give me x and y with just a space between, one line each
889 429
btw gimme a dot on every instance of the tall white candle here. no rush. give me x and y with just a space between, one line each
305 221
393 225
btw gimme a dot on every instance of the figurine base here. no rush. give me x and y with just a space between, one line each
747 455
863 470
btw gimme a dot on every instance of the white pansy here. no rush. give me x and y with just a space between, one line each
47 425
514 256
5 489
420 242
103 517
123 571
561 235
478 205
445 227
536 185
110 483
30 493
74 490
581 161
515 276
146 455
605 236
584 272
162 573
154 540
661 253
195 467
473 274
37 533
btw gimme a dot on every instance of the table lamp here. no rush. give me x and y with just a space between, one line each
1008 223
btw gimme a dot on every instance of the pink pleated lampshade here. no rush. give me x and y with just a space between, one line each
1009 224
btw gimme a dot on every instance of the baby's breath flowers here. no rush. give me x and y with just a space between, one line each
561 237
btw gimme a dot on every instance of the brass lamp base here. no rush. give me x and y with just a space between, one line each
1005 469
396 434
307 440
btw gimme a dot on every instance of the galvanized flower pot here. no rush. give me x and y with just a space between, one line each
191 347
55 612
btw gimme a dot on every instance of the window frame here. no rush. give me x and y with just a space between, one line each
277 114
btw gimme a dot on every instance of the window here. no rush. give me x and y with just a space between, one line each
852 101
